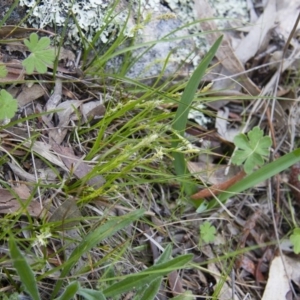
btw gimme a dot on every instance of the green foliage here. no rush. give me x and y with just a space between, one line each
151 290
3 71
252 150
92 239
144 277
180 121
207 232
260 175
70 291
14 296
187 295
148 281
8 105
29 281
40 56
295 240
90 294
24 270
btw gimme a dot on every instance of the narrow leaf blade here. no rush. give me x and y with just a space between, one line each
89 294
179 124
70 291
24 270
258 176
152 289
165 256
137 280
95 237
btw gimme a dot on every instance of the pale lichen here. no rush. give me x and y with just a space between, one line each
162 22
91 15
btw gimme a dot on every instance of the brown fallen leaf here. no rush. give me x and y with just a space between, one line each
67 211
10 205
65 54
93 110
29 94
11 148
225 52
175 283
277 286
43 174
244 262
55 98
257 36
211 173
66 112
22 191
249 228
77 166
294 181
14 73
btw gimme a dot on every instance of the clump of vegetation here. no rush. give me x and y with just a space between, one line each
105 212
40 56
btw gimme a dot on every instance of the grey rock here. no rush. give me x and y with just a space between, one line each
153 24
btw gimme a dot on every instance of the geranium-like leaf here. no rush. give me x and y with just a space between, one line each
3 71
252 150
40 55
8 105
207 232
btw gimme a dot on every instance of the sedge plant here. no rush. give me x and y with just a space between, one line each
132 157
136 145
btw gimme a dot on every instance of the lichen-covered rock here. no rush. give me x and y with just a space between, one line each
159 25
164 42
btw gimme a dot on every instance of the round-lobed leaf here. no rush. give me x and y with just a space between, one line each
8 105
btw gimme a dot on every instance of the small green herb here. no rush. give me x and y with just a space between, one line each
295 240
8 105
3 71
40 55
253 150
207 232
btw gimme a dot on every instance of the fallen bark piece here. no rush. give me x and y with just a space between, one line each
218 188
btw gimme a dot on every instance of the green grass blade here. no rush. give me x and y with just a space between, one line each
260 175
185 296
144 277
70 291
10 11
25 272
179 124
95 237
189 92
152 289
89 294
165 256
